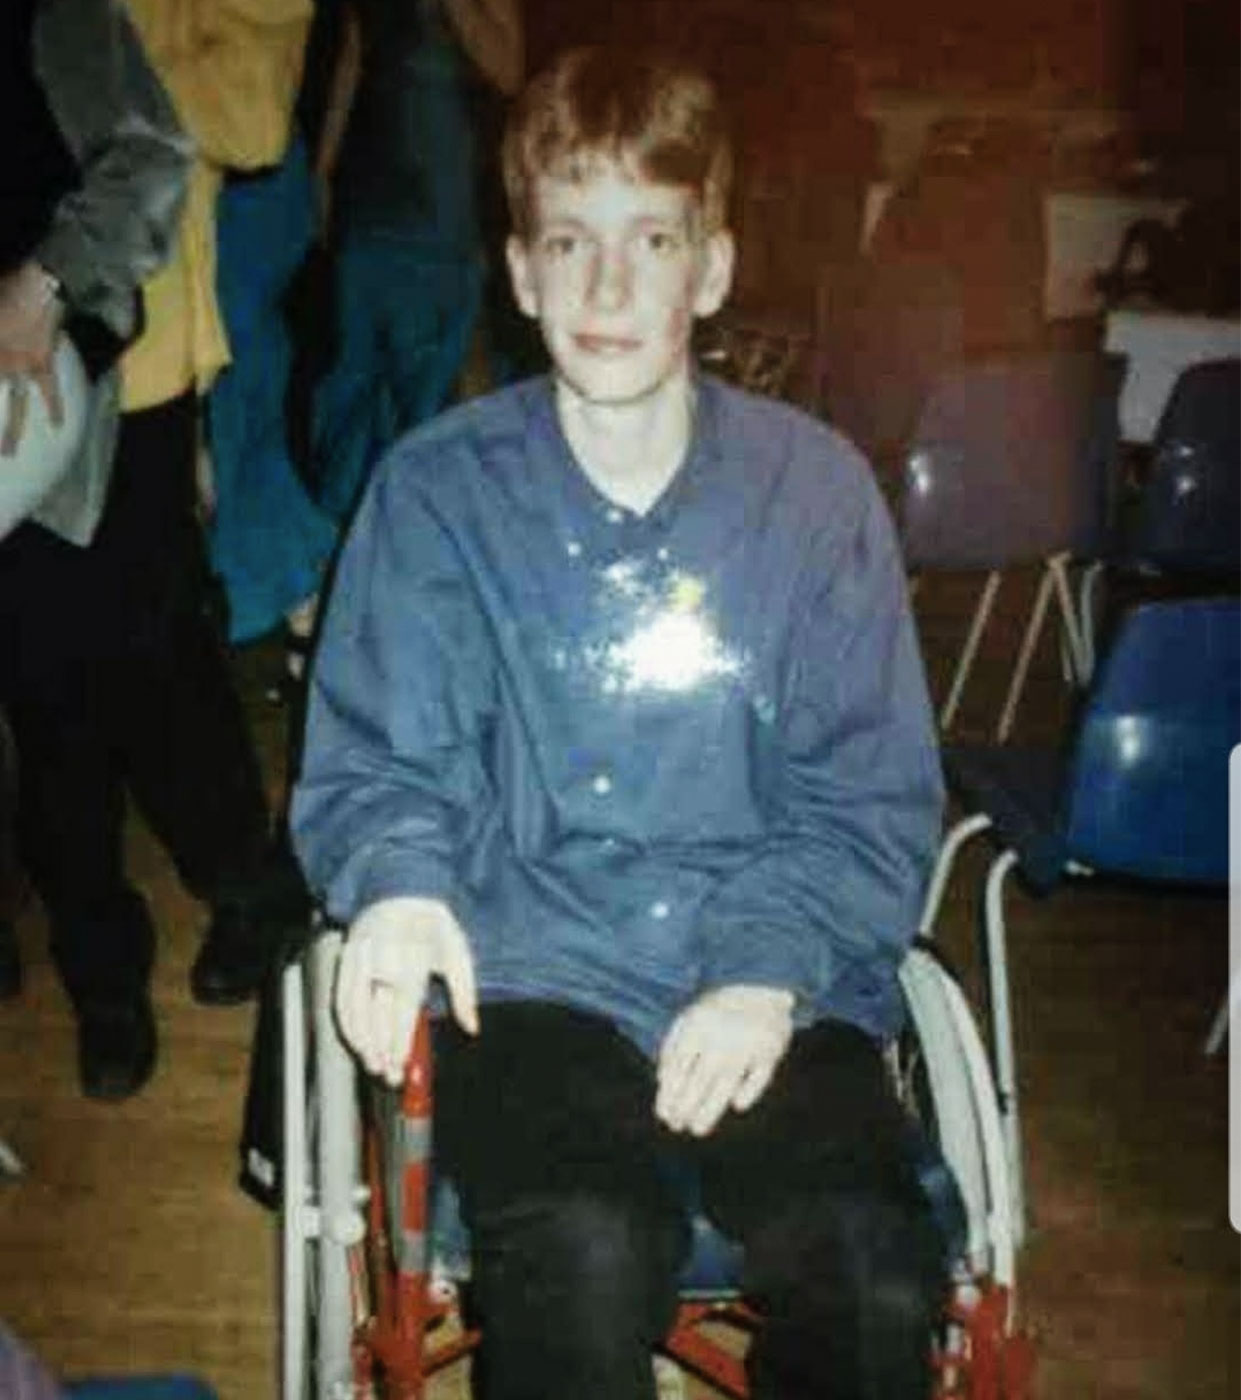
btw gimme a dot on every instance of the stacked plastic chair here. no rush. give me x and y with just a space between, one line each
1183 530
376 1260
1141 791
1012 464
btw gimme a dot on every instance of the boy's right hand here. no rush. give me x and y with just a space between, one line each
393 949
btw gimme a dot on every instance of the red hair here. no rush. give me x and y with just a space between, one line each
645 112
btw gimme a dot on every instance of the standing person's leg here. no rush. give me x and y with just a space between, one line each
349 415
546 1123
842 1255
55 630
10 872
102 939
268 541
172 705
433 310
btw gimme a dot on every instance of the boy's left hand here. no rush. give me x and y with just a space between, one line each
721 1053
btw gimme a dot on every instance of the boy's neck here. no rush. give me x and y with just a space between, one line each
630 452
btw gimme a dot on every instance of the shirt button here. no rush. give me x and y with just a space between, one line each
601 784
573 549
615 516
662 554
660 909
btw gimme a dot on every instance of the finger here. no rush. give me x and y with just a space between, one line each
402 1017
754 1082
687 1048
49 387
679 1047
346 994
16 422
715 1093
377 1056
390 990
462 989
687 1088
676 1065
360 1013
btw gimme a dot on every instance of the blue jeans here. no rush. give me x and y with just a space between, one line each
269 541
406 317
568 1184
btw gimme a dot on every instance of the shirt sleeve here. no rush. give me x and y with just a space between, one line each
401 695
235 81
108 235
837 885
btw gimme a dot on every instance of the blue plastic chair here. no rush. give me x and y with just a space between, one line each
1189 514
1183 530
1142 791
141 1388
1011 464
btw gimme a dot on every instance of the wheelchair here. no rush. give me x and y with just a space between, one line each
375 1260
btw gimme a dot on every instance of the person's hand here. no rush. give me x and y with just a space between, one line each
393 948
30 315
721 1053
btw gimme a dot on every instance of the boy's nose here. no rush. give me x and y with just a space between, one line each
612 279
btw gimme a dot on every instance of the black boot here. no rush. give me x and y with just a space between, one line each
116 1047
10 963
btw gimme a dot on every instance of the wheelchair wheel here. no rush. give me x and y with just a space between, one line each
320 1205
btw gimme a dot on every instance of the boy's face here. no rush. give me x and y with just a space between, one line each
615 270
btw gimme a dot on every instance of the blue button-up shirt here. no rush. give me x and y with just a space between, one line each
638 756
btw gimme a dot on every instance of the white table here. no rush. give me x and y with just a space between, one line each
1160 344
1084 229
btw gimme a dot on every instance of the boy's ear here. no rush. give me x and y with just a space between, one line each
521 274
716 277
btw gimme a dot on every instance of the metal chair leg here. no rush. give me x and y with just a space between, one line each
1034 628
1087 608
1220 1026
1002 1031
1081 663
982 614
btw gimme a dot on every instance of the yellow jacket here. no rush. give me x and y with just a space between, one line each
232 69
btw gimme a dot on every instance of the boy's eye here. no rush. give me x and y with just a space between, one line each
559 245
662 241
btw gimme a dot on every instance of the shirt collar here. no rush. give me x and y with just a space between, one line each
707 494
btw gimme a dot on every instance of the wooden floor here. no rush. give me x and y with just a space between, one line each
128 1247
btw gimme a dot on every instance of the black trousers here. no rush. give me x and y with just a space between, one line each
569 1187
116 681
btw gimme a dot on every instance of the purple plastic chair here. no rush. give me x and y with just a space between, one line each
1012 463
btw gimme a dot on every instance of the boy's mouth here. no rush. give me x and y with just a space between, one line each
606 345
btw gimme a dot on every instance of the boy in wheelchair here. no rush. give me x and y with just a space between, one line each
618 734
